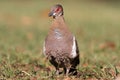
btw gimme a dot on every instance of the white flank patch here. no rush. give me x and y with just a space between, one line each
73 53
44 48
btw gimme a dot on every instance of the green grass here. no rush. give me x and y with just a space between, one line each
24 25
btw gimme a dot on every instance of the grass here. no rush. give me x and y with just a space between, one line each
24 25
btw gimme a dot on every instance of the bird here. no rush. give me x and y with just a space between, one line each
60 45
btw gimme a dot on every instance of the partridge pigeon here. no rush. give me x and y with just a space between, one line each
60 45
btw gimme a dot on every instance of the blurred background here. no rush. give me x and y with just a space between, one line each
95 23
92 20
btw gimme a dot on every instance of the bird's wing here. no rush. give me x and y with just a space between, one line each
75 50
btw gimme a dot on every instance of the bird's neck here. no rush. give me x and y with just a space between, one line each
58 26
58 22
59 18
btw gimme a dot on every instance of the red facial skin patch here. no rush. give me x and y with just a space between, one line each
58 9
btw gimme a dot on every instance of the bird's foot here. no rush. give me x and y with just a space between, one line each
57 72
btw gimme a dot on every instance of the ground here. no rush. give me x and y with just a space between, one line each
24 25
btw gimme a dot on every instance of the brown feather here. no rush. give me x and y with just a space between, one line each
58 46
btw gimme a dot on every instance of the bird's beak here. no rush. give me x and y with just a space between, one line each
50 14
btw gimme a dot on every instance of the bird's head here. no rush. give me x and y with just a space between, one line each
56 10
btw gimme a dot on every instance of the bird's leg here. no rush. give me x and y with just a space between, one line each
57 71
64 70
67 71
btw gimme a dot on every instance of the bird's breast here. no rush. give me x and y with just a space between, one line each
58 34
